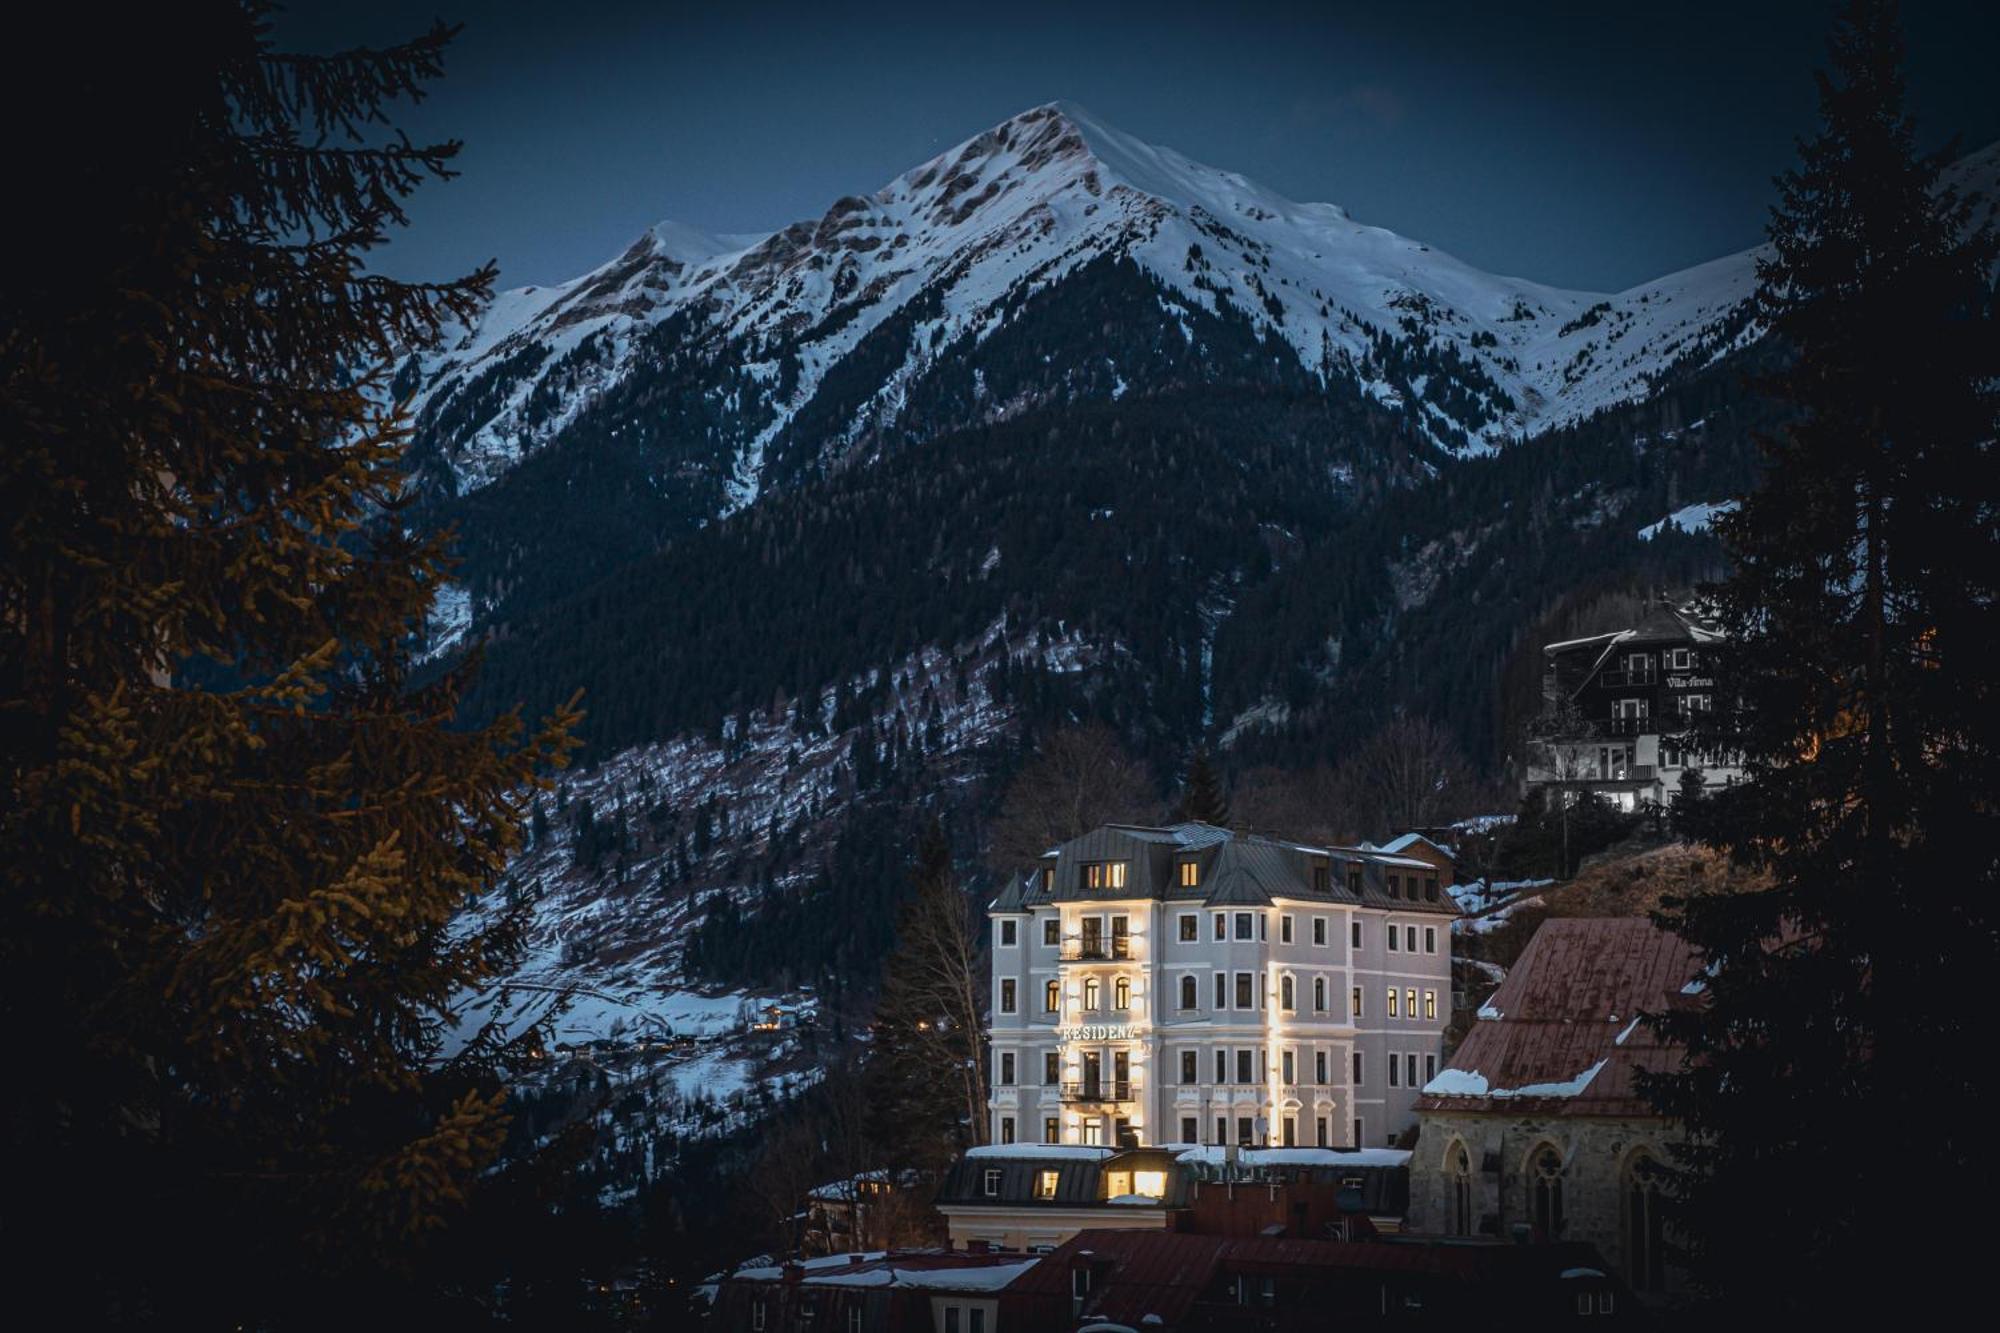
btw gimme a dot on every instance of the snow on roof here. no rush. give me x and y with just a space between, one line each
1472 1083
1409 840
1018 1152
1567 1023
926 1271
1213 1155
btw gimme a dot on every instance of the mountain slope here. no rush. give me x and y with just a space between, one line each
958 243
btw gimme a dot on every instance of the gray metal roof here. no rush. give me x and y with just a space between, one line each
1236 870
1079 1180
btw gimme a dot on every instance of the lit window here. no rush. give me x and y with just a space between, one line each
1093 993
1190 875
1052 997
1430 1004
1045 1184
1410 1002
1121 993
1394 1012
1152 1184
1104 875
1354 1002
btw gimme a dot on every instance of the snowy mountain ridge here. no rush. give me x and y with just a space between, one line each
955 246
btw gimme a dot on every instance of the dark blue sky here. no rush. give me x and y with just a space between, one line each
1566 143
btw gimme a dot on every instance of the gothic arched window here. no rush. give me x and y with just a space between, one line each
1545 1191
1644 1217
1461 1190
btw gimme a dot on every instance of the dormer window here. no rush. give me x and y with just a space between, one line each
991 1183
1099 876
1190 874
1045 1184
1354 880
1322 877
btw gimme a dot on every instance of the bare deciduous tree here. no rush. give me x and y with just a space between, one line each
1081 778
1410 774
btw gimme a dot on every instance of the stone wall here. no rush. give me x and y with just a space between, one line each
1596 1154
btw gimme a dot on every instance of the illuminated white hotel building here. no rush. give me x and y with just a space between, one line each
1193 985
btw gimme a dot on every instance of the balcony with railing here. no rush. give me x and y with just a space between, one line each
1098 1091
1087 950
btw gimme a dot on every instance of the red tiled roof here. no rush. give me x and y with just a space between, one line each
1568 1007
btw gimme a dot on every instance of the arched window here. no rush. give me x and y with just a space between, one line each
1121 993
1052 996
1286 997
1458 1166
1092 994
1545 1191
1187 992
1645 1239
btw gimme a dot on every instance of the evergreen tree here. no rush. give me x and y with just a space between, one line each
236 840
1849 1001
1202 796
927 1064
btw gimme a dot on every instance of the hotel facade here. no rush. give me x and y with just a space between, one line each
1194 985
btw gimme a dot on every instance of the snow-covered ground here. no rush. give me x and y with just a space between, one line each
1693 518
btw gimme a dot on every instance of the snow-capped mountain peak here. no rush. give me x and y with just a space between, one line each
754 339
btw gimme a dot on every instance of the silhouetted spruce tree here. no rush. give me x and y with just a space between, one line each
926 1068
1848 1008
236 842
1201 795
